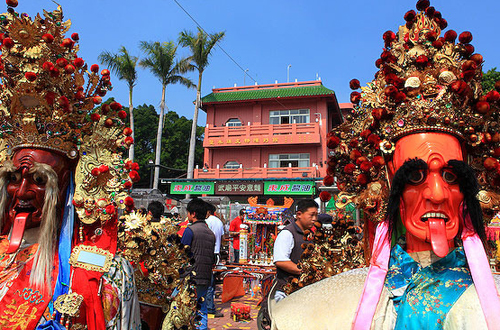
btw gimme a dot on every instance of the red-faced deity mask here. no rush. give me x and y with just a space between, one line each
36 170
431 200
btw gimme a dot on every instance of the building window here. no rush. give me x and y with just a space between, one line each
232 165
284 160
289 116
233 122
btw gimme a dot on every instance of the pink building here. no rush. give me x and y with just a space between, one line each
268 131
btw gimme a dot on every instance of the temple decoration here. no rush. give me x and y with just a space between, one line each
332 249
426 83
162 267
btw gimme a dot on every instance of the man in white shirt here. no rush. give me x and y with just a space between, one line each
217 227
288 245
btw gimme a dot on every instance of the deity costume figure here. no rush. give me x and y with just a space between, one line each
62 180
423 129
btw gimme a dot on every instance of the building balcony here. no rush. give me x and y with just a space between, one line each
257 173
261 135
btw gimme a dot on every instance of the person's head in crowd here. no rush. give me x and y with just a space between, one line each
197 210
242 213
176 216
156 209
325 218
306 213
211 209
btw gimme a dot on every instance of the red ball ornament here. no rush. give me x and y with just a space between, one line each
431 36
69 69
127 131
349 168
105 108
94 68
78 62
80 95
134 176
95 117
355 97
129 140
67 43
110 209
439 43
478 58
482 107
8 42
129 201
365 166
354 84
135 166
378 161
127 185
362 179
422 4
75 36
12 3
105 72
410 16
97 99
325 196
450 36
104 168
30 76
108 123
490 164
328 180
465 37
115 106
47 66
61 62
422 60
48 38
333 142
95 171
122 114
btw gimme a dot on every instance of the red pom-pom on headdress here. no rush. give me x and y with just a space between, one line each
465 37
422 4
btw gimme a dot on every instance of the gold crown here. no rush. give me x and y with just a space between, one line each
425 83
45 102
49 100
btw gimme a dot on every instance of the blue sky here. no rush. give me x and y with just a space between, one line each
336 40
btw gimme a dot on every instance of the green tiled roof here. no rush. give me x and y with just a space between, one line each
268 93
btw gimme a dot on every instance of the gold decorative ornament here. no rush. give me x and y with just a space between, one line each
91 258
68 304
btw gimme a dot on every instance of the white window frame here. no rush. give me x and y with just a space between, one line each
283 160
231 165
294 116
233 122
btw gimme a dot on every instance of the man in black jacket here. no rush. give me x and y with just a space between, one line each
288 244
202 241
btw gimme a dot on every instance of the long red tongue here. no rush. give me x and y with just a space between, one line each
17 233
437 230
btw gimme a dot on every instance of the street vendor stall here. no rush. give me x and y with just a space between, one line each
263 221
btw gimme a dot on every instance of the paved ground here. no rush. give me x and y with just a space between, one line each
227 322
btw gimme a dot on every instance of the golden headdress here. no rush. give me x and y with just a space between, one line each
426 82
50 99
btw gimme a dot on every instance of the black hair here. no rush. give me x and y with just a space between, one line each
467 184
242 212
304 204
401 178
469 187
211 208
156 208
198 207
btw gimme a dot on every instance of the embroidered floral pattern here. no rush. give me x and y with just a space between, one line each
423 297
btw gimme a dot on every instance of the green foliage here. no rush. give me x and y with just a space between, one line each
175 143
160 60
122 64
489 79
200 45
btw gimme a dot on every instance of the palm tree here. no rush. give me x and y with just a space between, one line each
161 62
124 66
201 46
